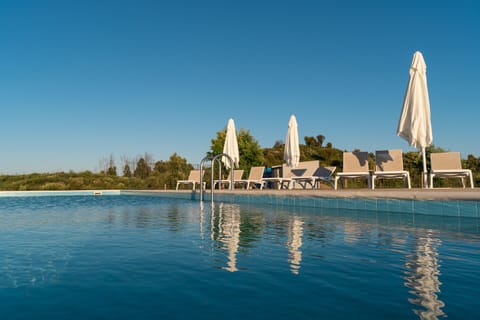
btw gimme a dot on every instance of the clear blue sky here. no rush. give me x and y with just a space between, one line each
80 80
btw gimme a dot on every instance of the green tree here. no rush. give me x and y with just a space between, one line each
112 169
278 144
251 153
273 156
310 141
314 141
169 172
142 170
472 163
126 171
320 139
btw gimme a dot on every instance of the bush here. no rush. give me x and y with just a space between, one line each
54 186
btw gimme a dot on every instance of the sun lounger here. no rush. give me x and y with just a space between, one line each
278 182
355 165
389 165
448 165
321 174
237 176
282 182
289 175
254 180
193 178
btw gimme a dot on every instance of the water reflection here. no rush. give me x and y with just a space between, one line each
353 232
232 229
229 232
225 228
422 277
294 243
235 230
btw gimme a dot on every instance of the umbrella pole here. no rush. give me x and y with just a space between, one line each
425 180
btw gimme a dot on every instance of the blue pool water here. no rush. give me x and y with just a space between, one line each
140 257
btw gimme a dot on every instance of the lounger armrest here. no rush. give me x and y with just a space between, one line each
452 171
390 172
304 178
353 173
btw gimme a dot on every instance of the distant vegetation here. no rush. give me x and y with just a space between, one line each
143 173
140 175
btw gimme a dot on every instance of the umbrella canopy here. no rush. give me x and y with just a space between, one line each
291 154
231 145
415 125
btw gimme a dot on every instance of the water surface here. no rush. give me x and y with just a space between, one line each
138 257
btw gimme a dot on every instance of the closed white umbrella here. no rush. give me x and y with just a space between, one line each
415 125
231 145
291 154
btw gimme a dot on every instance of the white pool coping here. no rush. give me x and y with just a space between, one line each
59 193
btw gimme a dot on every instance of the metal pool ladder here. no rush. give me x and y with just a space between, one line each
213 160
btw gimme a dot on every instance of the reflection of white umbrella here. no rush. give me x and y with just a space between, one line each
229 232
231 145
292 150
415 124
295 233
423 271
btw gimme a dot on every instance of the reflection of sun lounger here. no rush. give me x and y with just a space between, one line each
321 174
255 178
237 176
193 178
389 165
448 165
355 165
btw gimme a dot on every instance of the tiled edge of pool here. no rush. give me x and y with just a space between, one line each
447 208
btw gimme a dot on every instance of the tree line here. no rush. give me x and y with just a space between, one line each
142 172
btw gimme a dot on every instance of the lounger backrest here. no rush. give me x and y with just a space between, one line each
307 168
389 160
256 173
304 168
324 172
194 175
355 161
286 171
237 174
446 161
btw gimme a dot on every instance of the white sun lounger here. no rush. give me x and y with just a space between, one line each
355 165
237 176
254 180
290 175
193 178
389 165
321 174
449 165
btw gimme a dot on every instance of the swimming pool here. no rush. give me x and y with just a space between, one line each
147 257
